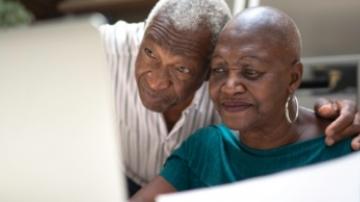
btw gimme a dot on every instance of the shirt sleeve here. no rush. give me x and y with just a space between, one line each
178 169
176 172
121 42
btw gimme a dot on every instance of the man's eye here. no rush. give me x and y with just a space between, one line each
183 69
149 52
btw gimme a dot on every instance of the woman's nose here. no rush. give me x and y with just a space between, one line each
233 85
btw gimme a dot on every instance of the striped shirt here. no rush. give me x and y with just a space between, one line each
145 140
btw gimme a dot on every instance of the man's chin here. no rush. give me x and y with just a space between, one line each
155 104
155 107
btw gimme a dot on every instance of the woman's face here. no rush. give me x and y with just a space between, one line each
251 79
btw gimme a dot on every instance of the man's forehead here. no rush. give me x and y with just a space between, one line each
174 48
164 23
185 43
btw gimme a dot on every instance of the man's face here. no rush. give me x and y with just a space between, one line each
171 65
249 80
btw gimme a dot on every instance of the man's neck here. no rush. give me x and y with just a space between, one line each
173 114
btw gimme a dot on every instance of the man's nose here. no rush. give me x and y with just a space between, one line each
158 80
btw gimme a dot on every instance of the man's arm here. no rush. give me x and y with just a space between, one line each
346 120
156 187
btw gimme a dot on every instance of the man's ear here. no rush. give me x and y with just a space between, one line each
296 76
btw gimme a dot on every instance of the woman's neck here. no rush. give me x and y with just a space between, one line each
271 136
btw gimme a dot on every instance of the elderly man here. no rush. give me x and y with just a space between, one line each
159 68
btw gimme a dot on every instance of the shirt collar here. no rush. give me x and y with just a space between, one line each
196 103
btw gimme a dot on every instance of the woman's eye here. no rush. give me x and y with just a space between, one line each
183 69
252 74
218 70
149 52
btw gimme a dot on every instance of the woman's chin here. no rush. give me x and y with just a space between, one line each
236 121
236 125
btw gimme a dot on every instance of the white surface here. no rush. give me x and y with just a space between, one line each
328 28
57 131
334 181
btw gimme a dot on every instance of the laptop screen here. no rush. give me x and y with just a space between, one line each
57 125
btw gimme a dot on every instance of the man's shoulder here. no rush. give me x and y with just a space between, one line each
123 25
123 30
121 34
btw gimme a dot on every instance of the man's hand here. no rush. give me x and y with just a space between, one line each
346 120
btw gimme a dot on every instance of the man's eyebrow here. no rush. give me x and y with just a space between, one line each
184 51
174 50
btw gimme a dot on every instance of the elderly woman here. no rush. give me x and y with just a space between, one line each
256 69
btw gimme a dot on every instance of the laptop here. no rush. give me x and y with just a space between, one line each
58 137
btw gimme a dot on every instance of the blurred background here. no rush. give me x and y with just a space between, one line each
330 31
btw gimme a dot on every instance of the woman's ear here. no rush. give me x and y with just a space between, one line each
296 76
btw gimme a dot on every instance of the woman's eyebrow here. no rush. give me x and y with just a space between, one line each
256 58
212 56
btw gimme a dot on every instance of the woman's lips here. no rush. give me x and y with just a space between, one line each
235 106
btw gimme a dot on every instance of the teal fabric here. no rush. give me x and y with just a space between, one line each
214 156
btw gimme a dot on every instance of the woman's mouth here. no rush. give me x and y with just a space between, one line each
235 106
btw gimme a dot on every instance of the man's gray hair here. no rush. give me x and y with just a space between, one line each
190 15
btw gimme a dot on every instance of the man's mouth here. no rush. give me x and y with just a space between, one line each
235 106
148 92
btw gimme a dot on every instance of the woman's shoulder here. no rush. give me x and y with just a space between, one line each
209 137
309 126
211 132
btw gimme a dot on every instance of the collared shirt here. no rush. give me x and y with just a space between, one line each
145 140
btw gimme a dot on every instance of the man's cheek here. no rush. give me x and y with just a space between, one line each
183 91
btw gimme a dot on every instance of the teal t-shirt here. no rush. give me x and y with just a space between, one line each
214 156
